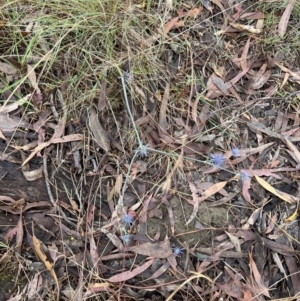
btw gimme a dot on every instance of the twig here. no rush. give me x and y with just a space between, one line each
65 218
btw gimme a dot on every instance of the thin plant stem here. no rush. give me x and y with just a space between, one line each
129 112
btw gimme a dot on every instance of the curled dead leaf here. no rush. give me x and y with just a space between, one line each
99 133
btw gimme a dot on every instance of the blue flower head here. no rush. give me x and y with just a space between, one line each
126 238
177 251
128 219
235 151
244 176
218 159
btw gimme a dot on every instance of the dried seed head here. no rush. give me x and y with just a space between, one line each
143 150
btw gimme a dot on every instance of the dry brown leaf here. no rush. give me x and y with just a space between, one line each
11 233
36 204
2 137
279 262
60 128
33 174
260 24
252 16
263 289
212 190
235 241
160 249
68 138
259 79
207 5
102 97
53 252
20 235
195 203
10 201
170 214
224 12
138 167
130 274
95 288
244 56
114 239
168 26
248 28
264 172
293 148
294 74
272 224
195 12
143 213
163 108
118 184
99 133
284 196
293 272
280 248
213 91
292 217
279 121
219 83
160 271
247 295
93 250
172 261
7 68
91 213
192 148
7 124
34 286
204 114
32 78
283 23
194 112
245 189
285 80
42 256
253 218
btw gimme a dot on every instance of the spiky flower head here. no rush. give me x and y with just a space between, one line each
217 159
177 251
235 151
